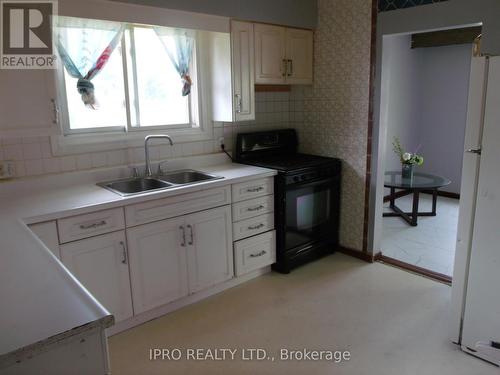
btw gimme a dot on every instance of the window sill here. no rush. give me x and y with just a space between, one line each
86 143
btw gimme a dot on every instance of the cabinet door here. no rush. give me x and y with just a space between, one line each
299 55
101 265
242 41
47 233
210 253
158 268
269 54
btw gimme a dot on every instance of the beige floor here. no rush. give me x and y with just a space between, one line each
391 321
431 244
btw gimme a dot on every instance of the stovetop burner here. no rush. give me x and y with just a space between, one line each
289 163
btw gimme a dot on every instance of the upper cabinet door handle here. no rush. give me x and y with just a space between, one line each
284 67
55 111
289 67
239 103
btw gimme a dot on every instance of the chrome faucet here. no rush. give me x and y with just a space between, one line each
146 149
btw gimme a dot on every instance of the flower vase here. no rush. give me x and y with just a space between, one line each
407 172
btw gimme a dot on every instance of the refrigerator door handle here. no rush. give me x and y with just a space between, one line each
476 151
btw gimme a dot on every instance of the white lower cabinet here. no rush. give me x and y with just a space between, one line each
101 264
171 258
158 263
171 247
210 253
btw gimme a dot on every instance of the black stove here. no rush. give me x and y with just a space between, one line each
307 195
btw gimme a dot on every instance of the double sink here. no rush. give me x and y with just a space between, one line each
137 185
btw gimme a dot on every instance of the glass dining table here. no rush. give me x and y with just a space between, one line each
420 182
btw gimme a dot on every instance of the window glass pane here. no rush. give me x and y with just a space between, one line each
158 83
109 91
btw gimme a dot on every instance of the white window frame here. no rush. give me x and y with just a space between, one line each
112 138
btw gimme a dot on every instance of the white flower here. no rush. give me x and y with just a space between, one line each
406 156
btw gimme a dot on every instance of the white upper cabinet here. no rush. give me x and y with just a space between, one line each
158 268
299 50
283 55
270 54
210 251
101 264
230 60
242 53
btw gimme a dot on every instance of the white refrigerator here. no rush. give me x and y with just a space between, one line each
475 307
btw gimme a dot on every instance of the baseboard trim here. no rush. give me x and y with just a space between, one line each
367 257
414 269
403 193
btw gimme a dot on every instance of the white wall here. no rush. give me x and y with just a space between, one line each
401 88
444 89
298 13
424 104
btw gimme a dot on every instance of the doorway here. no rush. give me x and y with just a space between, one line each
423 109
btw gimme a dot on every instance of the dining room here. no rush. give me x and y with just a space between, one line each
425 92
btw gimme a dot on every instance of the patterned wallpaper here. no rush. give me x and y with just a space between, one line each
386 5
335 108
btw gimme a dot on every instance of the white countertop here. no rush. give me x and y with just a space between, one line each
40 300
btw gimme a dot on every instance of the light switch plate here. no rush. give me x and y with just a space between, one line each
7 169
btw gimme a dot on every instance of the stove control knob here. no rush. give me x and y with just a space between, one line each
296 179
304 177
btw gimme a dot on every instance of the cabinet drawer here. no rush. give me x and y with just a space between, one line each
254 207
255 252
253 189
178 205
83 226
253 226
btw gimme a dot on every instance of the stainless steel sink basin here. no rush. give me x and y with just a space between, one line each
137 185
187 176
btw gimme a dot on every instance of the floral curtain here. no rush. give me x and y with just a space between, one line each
92 43
183 44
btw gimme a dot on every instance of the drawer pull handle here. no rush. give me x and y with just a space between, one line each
191 241
183 243
124 252
251 209
93 225
258 226
255 189
263 252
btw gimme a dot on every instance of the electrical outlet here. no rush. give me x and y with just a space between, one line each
7 169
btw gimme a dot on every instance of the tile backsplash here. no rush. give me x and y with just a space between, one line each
33 155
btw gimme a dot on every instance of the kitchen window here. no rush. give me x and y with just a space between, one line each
141 87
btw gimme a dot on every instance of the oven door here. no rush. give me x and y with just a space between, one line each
311 212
